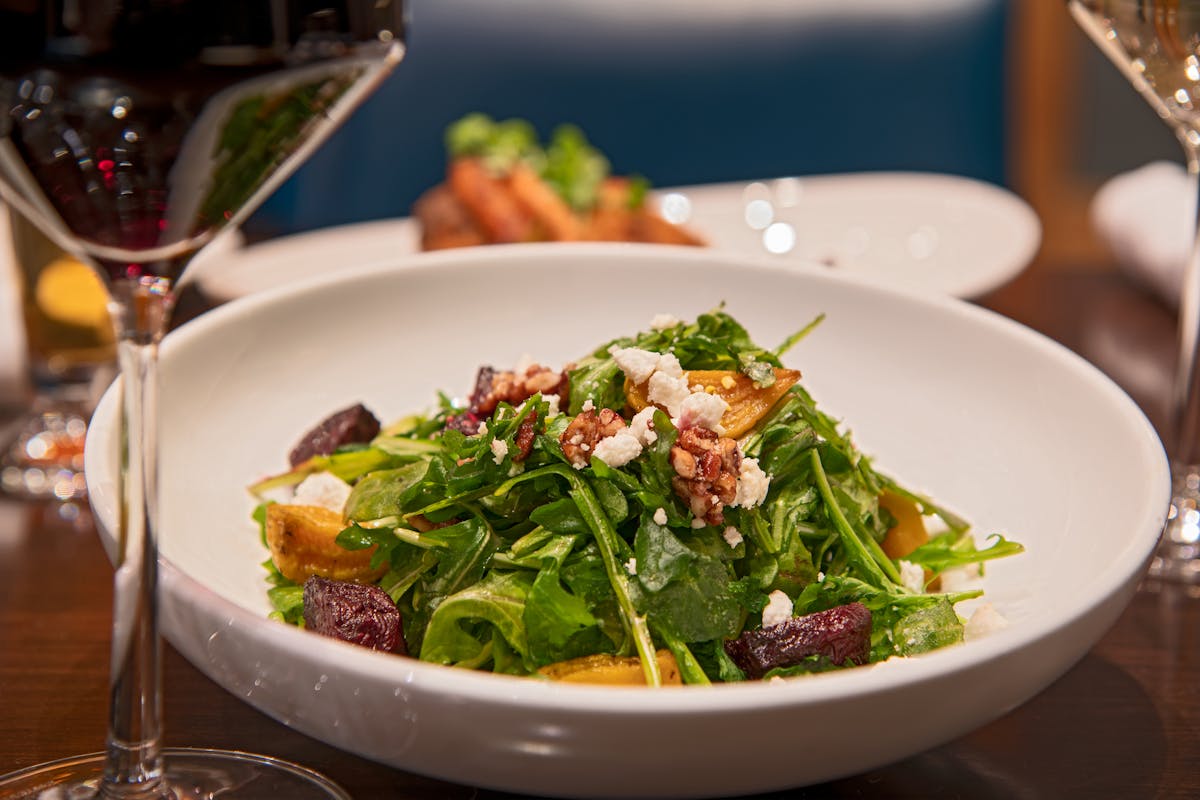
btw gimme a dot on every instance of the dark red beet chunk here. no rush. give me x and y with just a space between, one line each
354 613
466 423
348 426
841 634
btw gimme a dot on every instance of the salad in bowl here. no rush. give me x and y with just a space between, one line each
672 507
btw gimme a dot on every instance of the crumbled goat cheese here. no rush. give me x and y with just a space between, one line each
912 576
637 364
322 489
668 391
779 609
752 484
619 449
985 620
588 405
660 516
668 364
698 523
701 410
631 566
483 428
642 426
662 322
733 537
961 579
552 400
499 450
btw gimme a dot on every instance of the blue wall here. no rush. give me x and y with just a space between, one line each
681 101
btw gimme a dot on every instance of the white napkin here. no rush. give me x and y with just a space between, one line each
14 376
1147 217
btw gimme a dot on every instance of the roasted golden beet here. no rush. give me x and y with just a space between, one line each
302 540
908 533
612 670
748 402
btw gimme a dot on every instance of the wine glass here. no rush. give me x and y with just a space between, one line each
1156 45
132 132
69 354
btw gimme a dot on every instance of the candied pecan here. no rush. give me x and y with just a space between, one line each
524 439
350 425
706 472
492 387
580 438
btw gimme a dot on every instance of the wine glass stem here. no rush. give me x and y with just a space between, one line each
1186 411
134 765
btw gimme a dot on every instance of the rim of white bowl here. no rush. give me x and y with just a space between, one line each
740 697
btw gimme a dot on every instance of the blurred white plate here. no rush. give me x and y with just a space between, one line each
930 232
997 422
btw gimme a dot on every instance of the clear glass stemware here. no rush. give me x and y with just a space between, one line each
1156 46
132 133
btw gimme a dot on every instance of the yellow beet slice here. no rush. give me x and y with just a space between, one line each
302 541
909 531
612 670
748 403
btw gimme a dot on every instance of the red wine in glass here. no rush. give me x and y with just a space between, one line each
132 132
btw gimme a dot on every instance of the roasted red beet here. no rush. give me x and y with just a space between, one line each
353 612
348 426
466 423
841 634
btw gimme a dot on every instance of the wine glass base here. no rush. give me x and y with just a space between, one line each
190 774
45 459
1177 559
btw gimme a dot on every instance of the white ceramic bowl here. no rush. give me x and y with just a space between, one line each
997 422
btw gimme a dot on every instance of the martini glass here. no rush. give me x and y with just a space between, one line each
132 132
1156 46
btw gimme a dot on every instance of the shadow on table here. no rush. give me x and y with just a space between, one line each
1093 733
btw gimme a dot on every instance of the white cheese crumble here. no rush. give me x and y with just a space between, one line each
637 364
322 489
660 516
642 426
631 566
698 523
483 428
662 322
668 391
912 576
779 609
752 484
499 450
619 449
985 620
961 579
732 536
703 410
552 400
588 405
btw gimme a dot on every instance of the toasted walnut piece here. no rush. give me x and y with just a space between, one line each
302 541
493 387
706 472
581 436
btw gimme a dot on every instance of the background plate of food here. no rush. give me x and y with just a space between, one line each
995 422
931 232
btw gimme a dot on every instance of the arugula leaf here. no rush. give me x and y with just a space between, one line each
464 623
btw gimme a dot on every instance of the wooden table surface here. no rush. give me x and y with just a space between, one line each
1123 723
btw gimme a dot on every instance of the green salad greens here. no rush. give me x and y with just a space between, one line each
517 537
